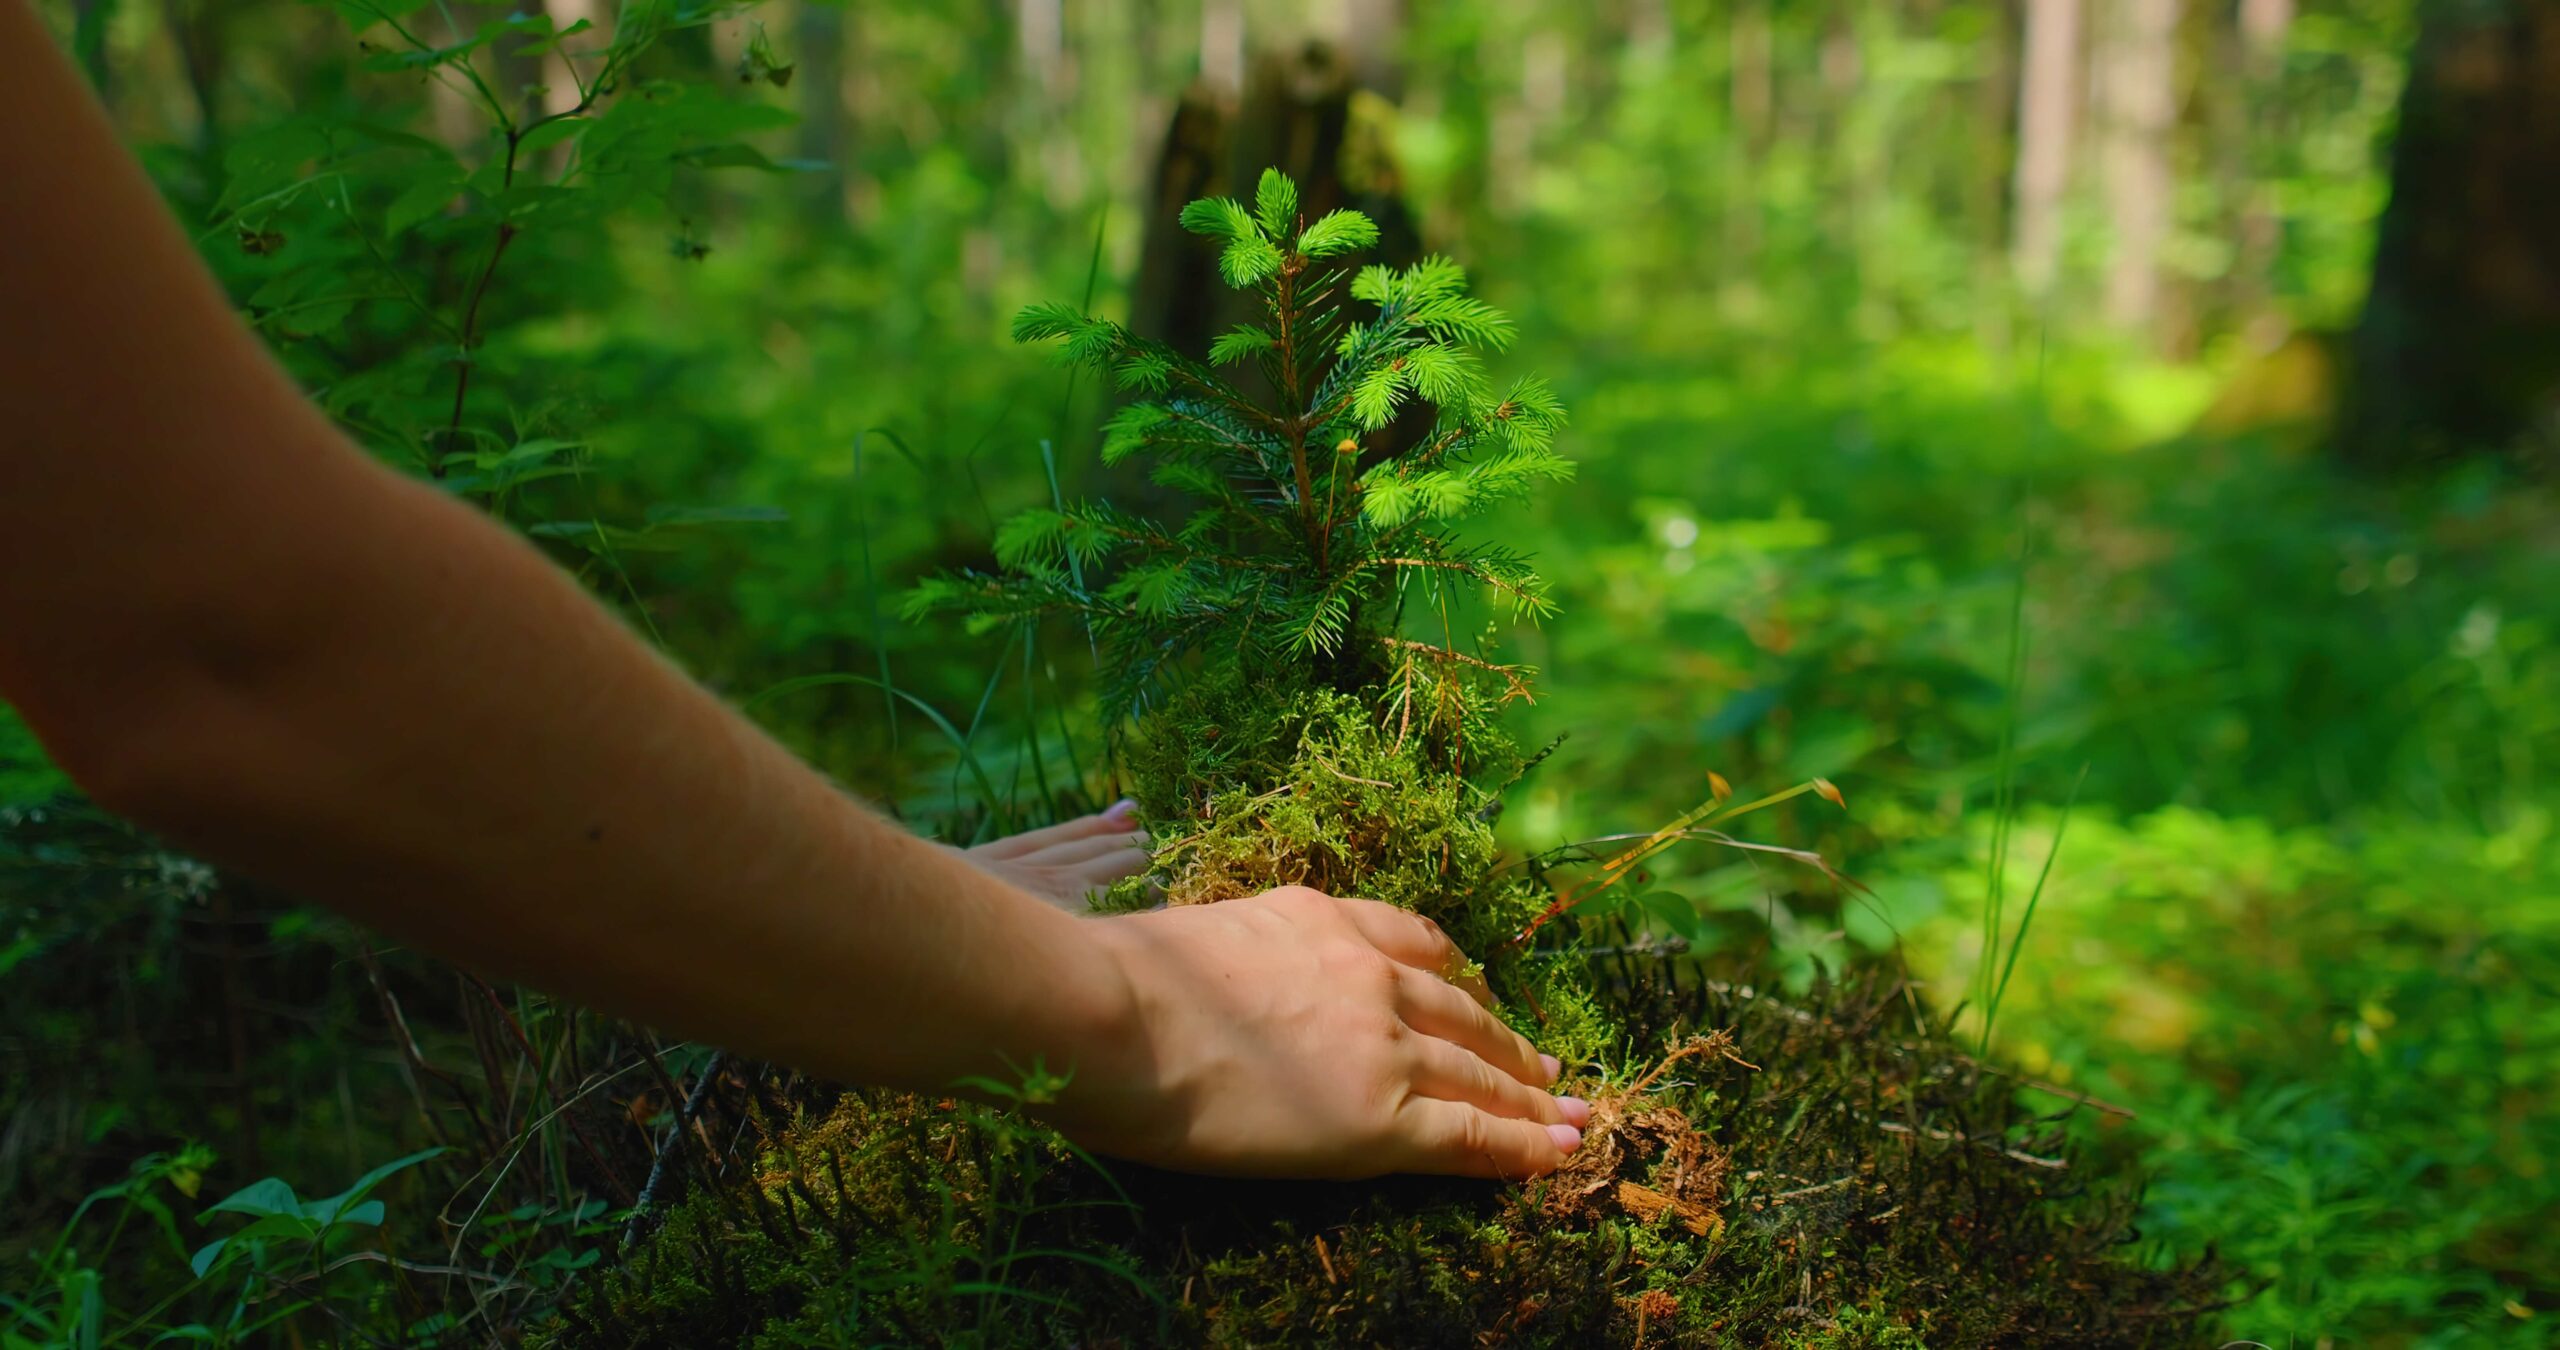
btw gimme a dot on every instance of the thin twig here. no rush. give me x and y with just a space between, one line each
666 1149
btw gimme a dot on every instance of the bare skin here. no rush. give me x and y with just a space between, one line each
1069 863
230 624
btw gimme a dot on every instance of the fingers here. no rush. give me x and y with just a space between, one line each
1456 1139
1415 941
1076 852
1101 872
1119 819
1450 1073
1436 1008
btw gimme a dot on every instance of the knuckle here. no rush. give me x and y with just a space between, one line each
1294 900
1355 961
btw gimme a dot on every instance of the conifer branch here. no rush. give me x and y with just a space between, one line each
1212 594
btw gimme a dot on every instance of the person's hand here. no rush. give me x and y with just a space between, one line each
1295 1034
1066 864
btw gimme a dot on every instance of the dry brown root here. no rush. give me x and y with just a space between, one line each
1645 1156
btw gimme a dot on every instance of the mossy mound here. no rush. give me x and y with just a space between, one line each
1873 1187
1829 1172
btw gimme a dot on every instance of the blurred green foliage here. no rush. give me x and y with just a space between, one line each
735 335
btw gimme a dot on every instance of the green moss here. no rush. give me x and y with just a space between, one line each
1835 1175
1246 789
1880 1190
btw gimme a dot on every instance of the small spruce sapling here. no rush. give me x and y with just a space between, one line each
1313 522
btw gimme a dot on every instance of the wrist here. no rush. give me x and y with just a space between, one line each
1104 1028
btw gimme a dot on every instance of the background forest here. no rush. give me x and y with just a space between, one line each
1977 404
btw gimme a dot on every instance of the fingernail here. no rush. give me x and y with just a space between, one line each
1566 1137
1122 811
1576 1110
1555 1067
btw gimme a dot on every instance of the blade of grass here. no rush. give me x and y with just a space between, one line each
1031 718
997 805
968 755
871 597
2027 917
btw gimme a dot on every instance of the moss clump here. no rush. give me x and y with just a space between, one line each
1246 789
1877 1189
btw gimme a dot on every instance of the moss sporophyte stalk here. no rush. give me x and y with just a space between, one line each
1306 706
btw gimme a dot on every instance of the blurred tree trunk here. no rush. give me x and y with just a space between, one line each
1305 113
1748 56
2459 347
1988 204
2246 116
1222 49
200 30
825 121
2137 95
2048 97
1373 38
559 79
89 19
1040 35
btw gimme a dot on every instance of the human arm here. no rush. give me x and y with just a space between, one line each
228 623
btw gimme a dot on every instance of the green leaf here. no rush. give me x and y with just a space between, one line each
556 131
1338 232
293 1226
1275 203
350 1205
543 43
420 200
269 1195
1676 914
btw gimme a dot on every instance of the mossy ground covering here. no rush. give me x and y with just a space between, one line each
1818 1171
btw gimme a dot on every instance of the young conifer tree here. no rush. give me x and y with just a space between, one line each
1314 525
1288 729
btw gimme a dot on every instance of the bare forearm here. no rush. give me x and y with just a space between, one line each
233 626
548 799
